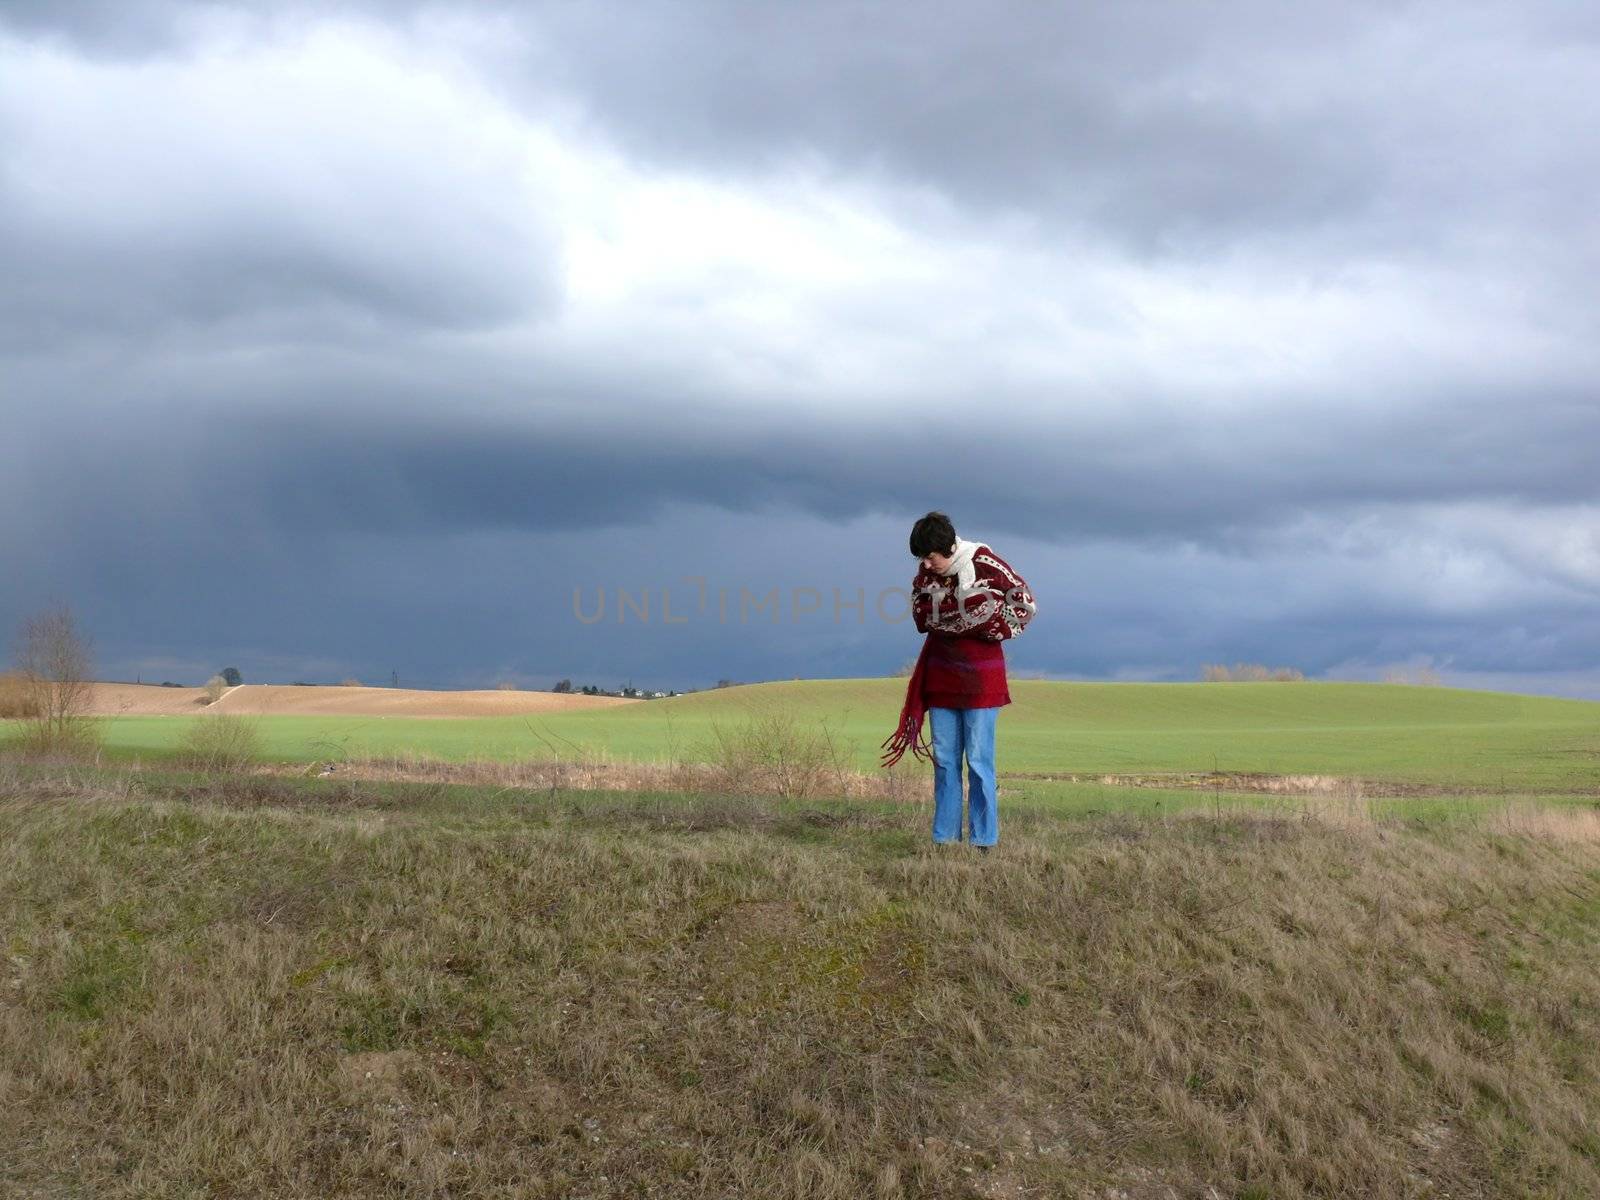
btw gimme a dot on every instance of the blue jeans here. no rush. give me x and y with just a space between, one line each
969 731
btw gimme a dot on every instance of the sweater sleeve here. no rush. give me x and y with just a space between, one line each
1015 603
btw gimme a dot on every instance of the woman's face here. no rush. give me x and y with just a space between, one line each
935 562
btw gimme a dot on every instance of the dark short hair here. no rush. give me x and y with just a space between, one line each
933 534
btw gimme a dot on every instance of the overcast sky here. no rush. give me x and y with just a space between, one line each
354 339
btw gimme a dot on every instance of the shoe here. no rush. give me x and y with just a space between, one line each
985 849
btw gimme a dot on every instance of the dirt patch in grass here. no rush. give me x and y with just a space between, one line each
376 1075
748 923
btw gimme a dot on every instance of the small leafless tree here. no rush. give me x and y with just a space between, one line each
216 688
54 660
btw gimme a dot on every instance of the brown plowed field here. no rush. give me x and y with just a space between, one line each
148 700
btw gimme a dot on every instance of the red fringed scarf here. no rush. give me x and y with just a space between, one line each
908 734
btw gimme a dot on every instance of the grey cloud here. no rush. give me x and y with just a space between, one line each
253 285
1173 127
301 242
1133 118
137 30
113 28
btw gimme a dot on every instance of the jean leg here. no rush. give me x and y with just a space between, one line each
944 726
983 811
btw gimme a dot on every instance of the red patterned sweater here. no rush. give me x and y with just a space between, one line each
962 664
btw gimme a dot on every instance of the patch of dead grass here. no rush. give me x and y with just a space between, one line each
731 776
242 993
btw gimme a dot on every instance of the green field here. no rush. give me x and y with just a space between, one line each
1442 737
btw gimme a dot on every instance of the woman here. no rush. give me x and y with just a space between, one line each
967 600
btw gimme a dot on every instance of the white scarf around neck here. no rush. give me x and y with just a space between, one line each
961 565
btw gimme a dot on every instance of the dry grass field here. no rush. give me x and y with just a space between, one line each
251 986
251 699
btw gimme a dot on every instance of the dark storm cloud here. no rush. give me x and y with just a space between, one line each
1063 484
1260 331
374 457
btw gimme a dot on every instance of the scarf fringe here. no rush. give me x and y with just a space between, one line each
908 732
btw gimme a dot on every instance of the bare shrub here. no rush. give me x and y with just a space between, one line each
505 685
351 683
216 688
17 701
221 743
1250 673
773 753
53 657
